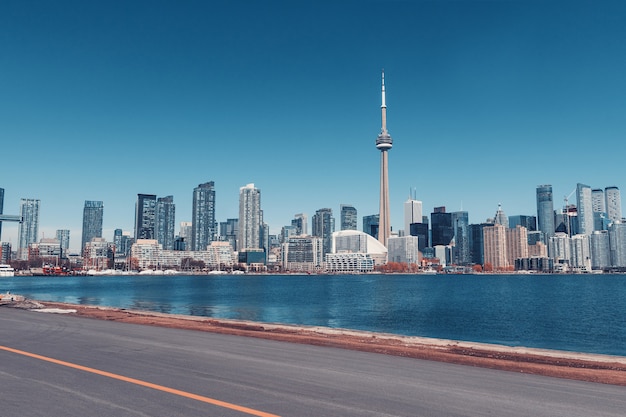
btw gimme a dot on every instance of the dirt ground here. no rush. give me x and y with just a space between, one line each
586 367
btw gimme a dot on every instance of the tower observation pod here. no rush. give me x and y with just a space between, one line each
384 143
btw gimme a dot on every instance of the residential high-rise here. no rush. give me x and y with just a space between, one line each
63 236
584 208
145 217
613 203
29 228
370 225
495 247
516 244
348 217
92 221
545 210
403 249
323 226
598 203
412 214
300 223
384 143
600 250
203 216
165 222
249 218
229 231
617 244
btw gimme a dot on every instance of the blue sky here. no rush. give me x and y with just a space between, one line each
486 100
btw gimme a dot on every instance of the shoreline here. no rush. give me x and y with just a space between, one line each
606 369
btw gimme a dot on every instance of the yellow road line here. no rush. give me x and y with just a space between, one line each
208 400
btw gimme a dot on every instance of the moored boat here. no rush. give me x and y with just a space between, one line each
6 271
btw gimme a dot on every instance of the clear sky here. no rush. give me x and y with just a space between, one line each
101 100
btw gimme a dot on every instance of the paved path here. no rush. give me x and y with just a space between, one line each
56 365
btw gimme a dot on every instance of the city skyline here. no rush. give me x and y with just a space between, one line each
490 99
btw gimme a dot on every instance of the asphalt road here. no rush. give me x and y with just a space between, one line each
108 369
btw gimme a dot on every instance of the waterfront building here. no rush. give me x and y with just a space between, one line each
349 263
420 230
229 230
302 253
617 244
412 214
460 227
145 216
580 257
613 203
300 223
63 236
584 209
203 227
559 249
47 250
403 249
98 254
495 250
545 210
323 226
92 221
529 222
147 254
353 241
600 250
516 244
165 221
370 225
348 217
5 253
384 143
29 228
442 231
250 221
122 242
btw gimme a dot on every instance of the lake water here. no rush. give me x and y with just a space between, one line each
584 313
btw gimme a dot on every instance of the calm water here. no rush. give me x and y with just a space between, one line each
585 313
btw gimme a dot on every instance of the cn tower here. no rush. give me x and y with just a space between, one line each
384 143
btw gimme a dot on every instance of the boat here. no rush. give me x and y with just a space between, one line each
6 271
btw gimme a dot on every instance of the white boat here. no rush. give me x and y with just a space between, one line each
6 271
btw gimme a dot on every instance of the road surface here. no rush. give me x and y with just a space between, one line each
57 365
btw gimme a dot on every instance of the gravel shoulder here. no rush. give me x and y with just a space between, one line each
604 369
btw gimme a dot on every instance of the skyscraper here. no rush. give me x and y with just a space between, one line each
461 250
229 231
348 217
370 225
584 208
412 214
501 218
545 210
145 216
92 221
29 228
63 236
442 230
165 221
249 218
323 226
384 143
598 203
613 203
300 223
1 209
203 216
